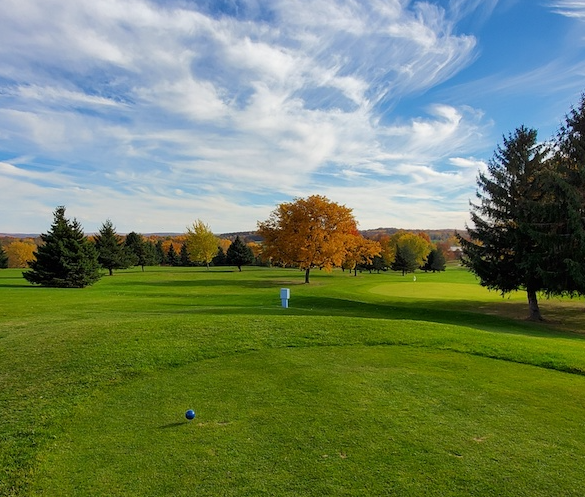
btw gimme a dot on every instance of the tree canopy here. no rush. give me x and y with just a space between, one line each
435 261
139 251
360 252
239 254
405 259
110 247
201 243
66 259
528 228
308 232
20 253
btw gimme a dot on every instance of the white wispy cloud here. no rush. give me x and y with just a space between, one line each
569 8
157 114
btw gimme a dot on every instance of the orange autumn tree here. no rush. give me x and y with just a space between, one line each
360 250
308 232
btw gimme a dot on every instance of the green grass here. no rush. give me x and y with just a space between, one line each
368 385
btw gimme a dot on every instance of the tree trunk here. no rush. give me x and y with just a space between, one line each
533 306
111 271
240 269
307 274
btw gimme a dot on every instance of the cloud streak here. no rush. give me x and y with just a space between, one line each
154 114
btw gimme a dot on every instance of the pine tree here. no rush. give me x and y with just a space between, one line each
66 259
239 254
160 253
141 252
110 247
405 260
560 230
435 261
184 256
502 248
220 258
172 257
3 258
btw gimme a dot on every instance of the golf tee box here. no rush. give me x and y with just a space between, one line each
284 296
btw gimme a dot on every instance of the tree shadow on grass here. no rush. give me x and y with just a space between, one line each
209 282
460 313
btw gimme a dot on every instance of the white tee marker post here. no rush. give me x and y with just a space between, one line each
284 296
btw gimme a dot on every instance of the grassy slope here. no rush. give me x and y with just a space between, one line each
93 384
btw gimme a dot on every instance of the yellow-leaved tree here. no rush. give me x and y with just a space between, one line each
201 243
418 244
308 232
20 253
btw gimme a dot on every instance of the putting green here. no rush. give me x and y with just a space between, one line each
347 420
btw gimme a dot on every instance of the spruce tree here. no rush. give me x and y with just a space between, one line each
405 260
185 260
142 252
172 257
435 261
529 231
66 259
560 230
220 258
110 247
160 253
3 258
239 254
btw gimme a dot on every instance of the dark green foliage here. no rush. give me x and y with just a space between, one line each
529 228
435 261
110 247
184 259
239 254
405 260
141 251
561 210
160 253
220 258
500 250
172 257
66 259
3 258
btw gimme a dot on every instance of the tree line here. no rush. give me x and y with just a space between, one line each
322 234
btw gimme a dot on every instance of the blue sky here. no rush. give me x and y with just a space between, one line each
156 113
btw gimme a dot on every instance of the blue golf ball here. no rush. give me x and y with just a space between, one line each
190 414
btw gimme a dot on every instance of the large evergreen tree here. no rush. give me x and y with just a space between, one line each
3 258
560 231
110 246
405 260
141 252
66 258
435 261
525 222
239 254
